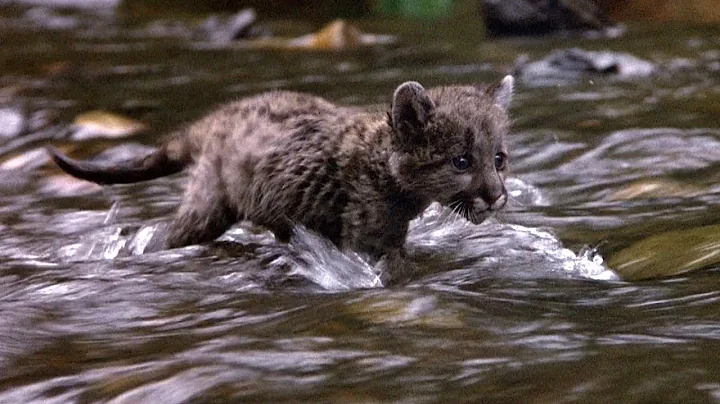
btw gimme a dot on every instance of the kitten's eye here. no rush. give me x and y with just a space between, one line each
461 163
500 161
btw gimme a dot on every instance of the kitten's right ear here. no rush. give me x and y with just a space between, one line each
501 92
411 107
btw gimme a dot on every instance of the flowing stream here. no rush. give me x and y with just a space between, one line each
599 283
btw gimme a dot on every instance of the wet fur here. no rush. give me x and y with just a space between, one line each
356 177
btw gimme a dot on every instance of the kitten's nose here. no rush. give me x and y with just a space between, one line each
493 194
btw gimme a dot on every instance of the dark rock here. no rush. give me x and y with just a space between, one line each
578 63
539 17
27 161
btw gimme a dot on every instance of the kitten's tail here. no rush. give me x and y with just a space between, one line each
170 158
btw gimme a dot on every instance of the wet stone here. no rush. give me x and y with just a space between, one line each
13 123
26 161
578 63
101 124
239 26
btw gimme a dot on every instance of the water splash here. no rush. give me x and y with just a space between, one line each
438 239
318 260
500 249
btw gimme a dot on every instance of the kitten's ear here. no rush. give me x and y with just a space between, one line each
411 106
501 92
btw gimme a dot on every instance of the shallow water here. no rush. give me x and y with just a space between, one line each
611 179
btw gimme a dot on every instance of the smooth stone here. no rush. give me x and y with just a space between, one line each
578 63
27 161
13 123
101 124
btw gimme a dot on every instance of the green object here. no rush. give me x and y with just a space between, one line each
670 253
415 8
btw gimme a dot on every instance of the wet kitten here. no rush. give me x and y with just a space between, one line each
356 177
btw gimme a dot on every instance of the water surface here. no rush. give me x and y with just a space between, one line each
545 303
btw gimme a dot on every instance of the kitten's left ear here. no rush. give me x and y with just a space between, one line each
501 92
411 107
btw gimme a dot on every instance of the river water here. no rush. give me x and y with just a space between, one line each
599 283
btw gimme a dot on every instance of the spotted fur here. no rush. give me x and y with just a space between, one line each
356 177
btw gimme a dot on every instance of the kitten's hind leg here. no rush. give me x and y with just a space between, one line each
205 213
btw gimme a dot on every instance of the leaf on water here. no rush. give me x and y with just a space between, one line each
337 35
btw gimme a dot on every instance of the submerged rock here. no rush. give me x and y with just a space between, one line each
539 17
407 308
578 63
670 253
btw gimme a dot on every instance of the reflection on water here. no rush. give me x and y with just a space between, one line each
609 178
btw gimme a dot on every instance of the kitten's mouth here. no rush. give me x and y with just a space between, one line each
465 207
475 210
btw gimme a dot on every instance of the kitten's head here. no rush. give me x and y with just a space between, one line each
449 145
